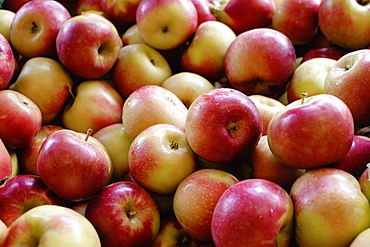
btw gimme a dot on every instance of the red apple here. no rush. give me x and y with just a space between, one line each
222 125
6 167
332 52
73 165
132 36
270 58
124 214
23 192
204 11
266 208
37 24
88 45
20 119
304 135
7 63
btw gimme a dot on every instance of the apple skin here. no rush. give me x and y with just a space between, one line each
5 164
314 194
205 53
204 11
124 214
242 15
362 239
166 24
88 45
6 18
27 156
7 63
88 5
364 181
343 81
357 158
23 192
332 52
72 167
297 19
96 104
47 83
195 199
297 130
37 24
151 105
139 65
160 158
21 119
222 125
132 36
270 58
268 208
54 225
309 77
354 34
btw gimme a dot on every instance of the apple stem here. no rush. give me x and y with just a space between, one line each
304 95
216 7
88 134
131 214
71 92
174 145
185 239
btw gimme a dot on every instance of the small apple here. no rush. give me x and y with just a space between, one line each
6 18
7 63
124 214
204 11
132 36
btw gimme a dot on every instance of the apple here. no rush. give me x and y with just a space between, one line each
362 239
15 163
96 104
88 45
304 135
333 52
187 86
267 108
27 156
270 58
21 119
222 125
47 83
205 53
309 77
267 208
139 65
74 165
353 35
319 41
124 214
14 5
51 225
80 207
5 164
7 63
160 158
132 36
204 11
6 18
115 140
151 105
347 81
166 24
23 192
242 15
3 230
314 195
88 5
37 24
297 19
195 199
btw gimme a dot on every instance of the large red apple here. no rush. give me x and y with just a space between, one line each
7 62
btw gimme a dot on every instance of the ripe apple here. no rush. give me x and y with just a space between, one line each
96 104
6 168
297 19
309 77
74 165
20 119
121 13
52 225
318 221
132 36
242 15
47 83
187 86
88 45
166 24
267 208
304 135
6 18
88 5
151 105
195 199
139 65
362 239
355 14
23 192
160 158
15 163
27 156
222 125
333 52
205 53
115 140
7 63
124 214
270 58
347 81
267 108
3 230
37 24
364 181
204 11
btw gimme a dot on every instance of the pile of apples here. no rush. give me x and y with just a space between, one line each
184 123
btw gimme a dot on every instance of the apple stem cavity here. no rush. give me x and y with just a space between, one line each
131 214
71 92
347 67
174 145
363 2
304 95
34 27
165 29
88 134
233 127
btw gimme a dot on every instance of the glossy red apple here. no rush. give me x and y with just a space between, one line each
7 63
332 52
